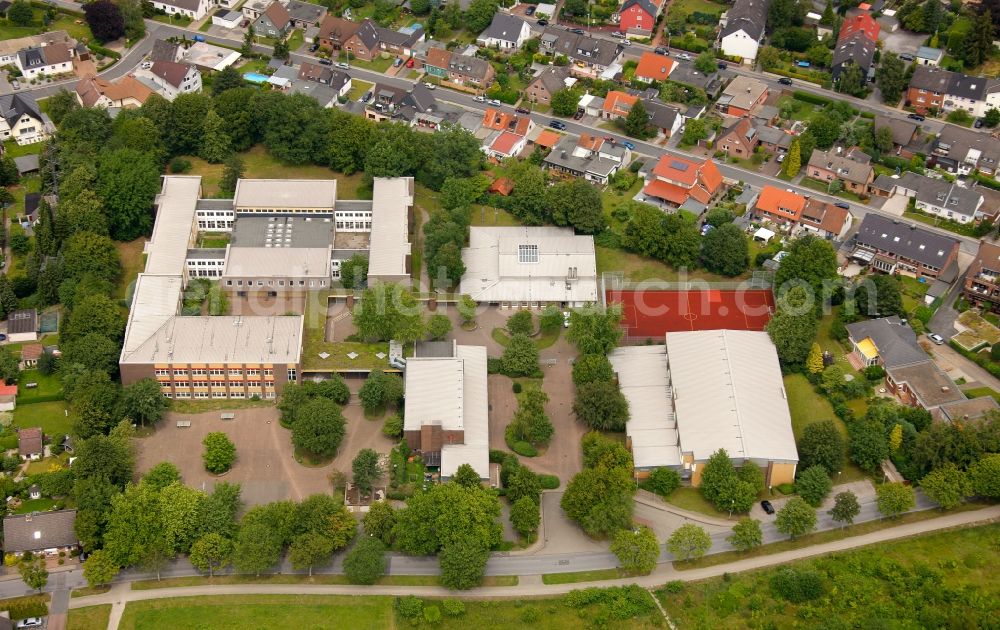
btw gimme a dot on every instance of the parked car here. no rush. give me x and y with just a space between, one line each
936 338
684 56
542 22
628 145
495 102
521 110
578 31
660 50
343 65
706 228
557 124
781 158
579 114
530 10
480 99
431 86
906 57
327 62
842 205
767 507
30 622
785 81
397 62
978 124
314 48
916 117
3 337
409 62
803 64
721 65
198 38
610 139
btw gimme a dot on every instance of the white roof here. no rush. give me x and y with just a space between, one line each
154 302
211 56
229 339
392 198
728 393
764 234
174 229
645 383
286 194
452 393
278 262
496 269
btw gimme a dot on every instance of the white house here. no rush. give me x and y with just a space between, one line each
172 79
48 60
22 120
194 9
506 32
743 29
226 18
504 144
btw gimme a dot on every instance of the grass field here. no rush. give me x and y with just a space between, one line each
35 505
389 580
260 611
258 163
48 386
243 612
583 576
50 416
638 268
133 262
89 618
937 580
358 89
691 499
201 406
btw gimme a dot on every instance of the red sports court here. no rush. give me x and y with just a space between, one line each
656 312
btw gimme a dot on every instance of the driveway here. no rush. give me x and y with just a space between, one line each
895 205
957 366
560 534
901 41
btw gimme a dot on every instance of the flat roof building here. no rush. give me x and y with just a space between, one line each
392 201
276 196
529 265
712 389
447 408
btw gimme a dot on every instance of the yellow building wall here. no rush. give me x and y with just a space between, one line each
781 473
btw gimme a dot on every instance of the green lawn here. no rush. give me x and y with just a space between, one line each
542 341
583 576
389 580
801 111
50 416
35 505
376 65
241 612
976 392
824 187
13 149
201 406
358 89
89 618
944 224
639 268
295 40
48 387
244 612
133 262
691 499
926 581
174 20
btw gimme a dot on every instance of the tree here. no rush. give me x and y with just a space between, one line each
226 79
565 102
447 513
86 253
521 323
530 423
688 542
879 295
891 78
813 485
947 485
590 368
796 518
365 563
793 161
683 241
366 469
220 452
211 552
387 311
595 331
463 561
985 476
525 517
105 20
143 401
663 481
379 521
523 482
467 309
845 507
746 534
20 13
576 203
852 81
637 121
636 549
717 472
869 446
694 130
992 117
127 182
815 361
479 15
162 475
60 103
551 319
810 259
793 329
769 57
705 62
980 42
600 499
822 444
257 548
319 427
601 405
232 172
467 476
33 572
99 569
894 498
520 357
438 326
248 39
724 251
309 549
215 143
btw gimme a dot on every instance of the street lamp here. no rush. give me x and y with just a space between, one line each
731 506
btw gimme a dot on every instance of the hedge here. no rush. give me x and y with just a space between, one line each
809 97
989 182
101 50
983 361
24 607
523 449
43 398
548 482
497 456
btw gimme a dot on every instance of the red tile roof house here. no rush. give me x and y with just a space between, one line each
675 180
8 397
500 145
739 140
653 67
617 105
30 353
638 17
860 23
779 206
29 444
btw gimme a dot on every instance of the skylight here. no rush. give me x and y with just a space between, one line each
527 253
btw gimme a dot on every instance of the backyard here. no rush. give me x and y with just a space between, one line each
89 618
808 406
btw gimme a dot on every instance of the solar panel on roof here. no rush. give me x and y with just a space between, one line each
680 166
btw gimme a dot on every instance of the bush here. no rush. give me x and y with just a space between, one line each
180 165
497 456
797 585
662 481
809 97
409 607
548 482
517 388
874 373
393 427
453 607
523 449
785 488
432 614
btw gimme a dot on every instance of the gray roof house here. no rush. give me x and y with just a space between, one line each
41 531
748 16
506 32
589 51
941 197
896 342
590 157
888 243
856 50
902 130
305 14
774 138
